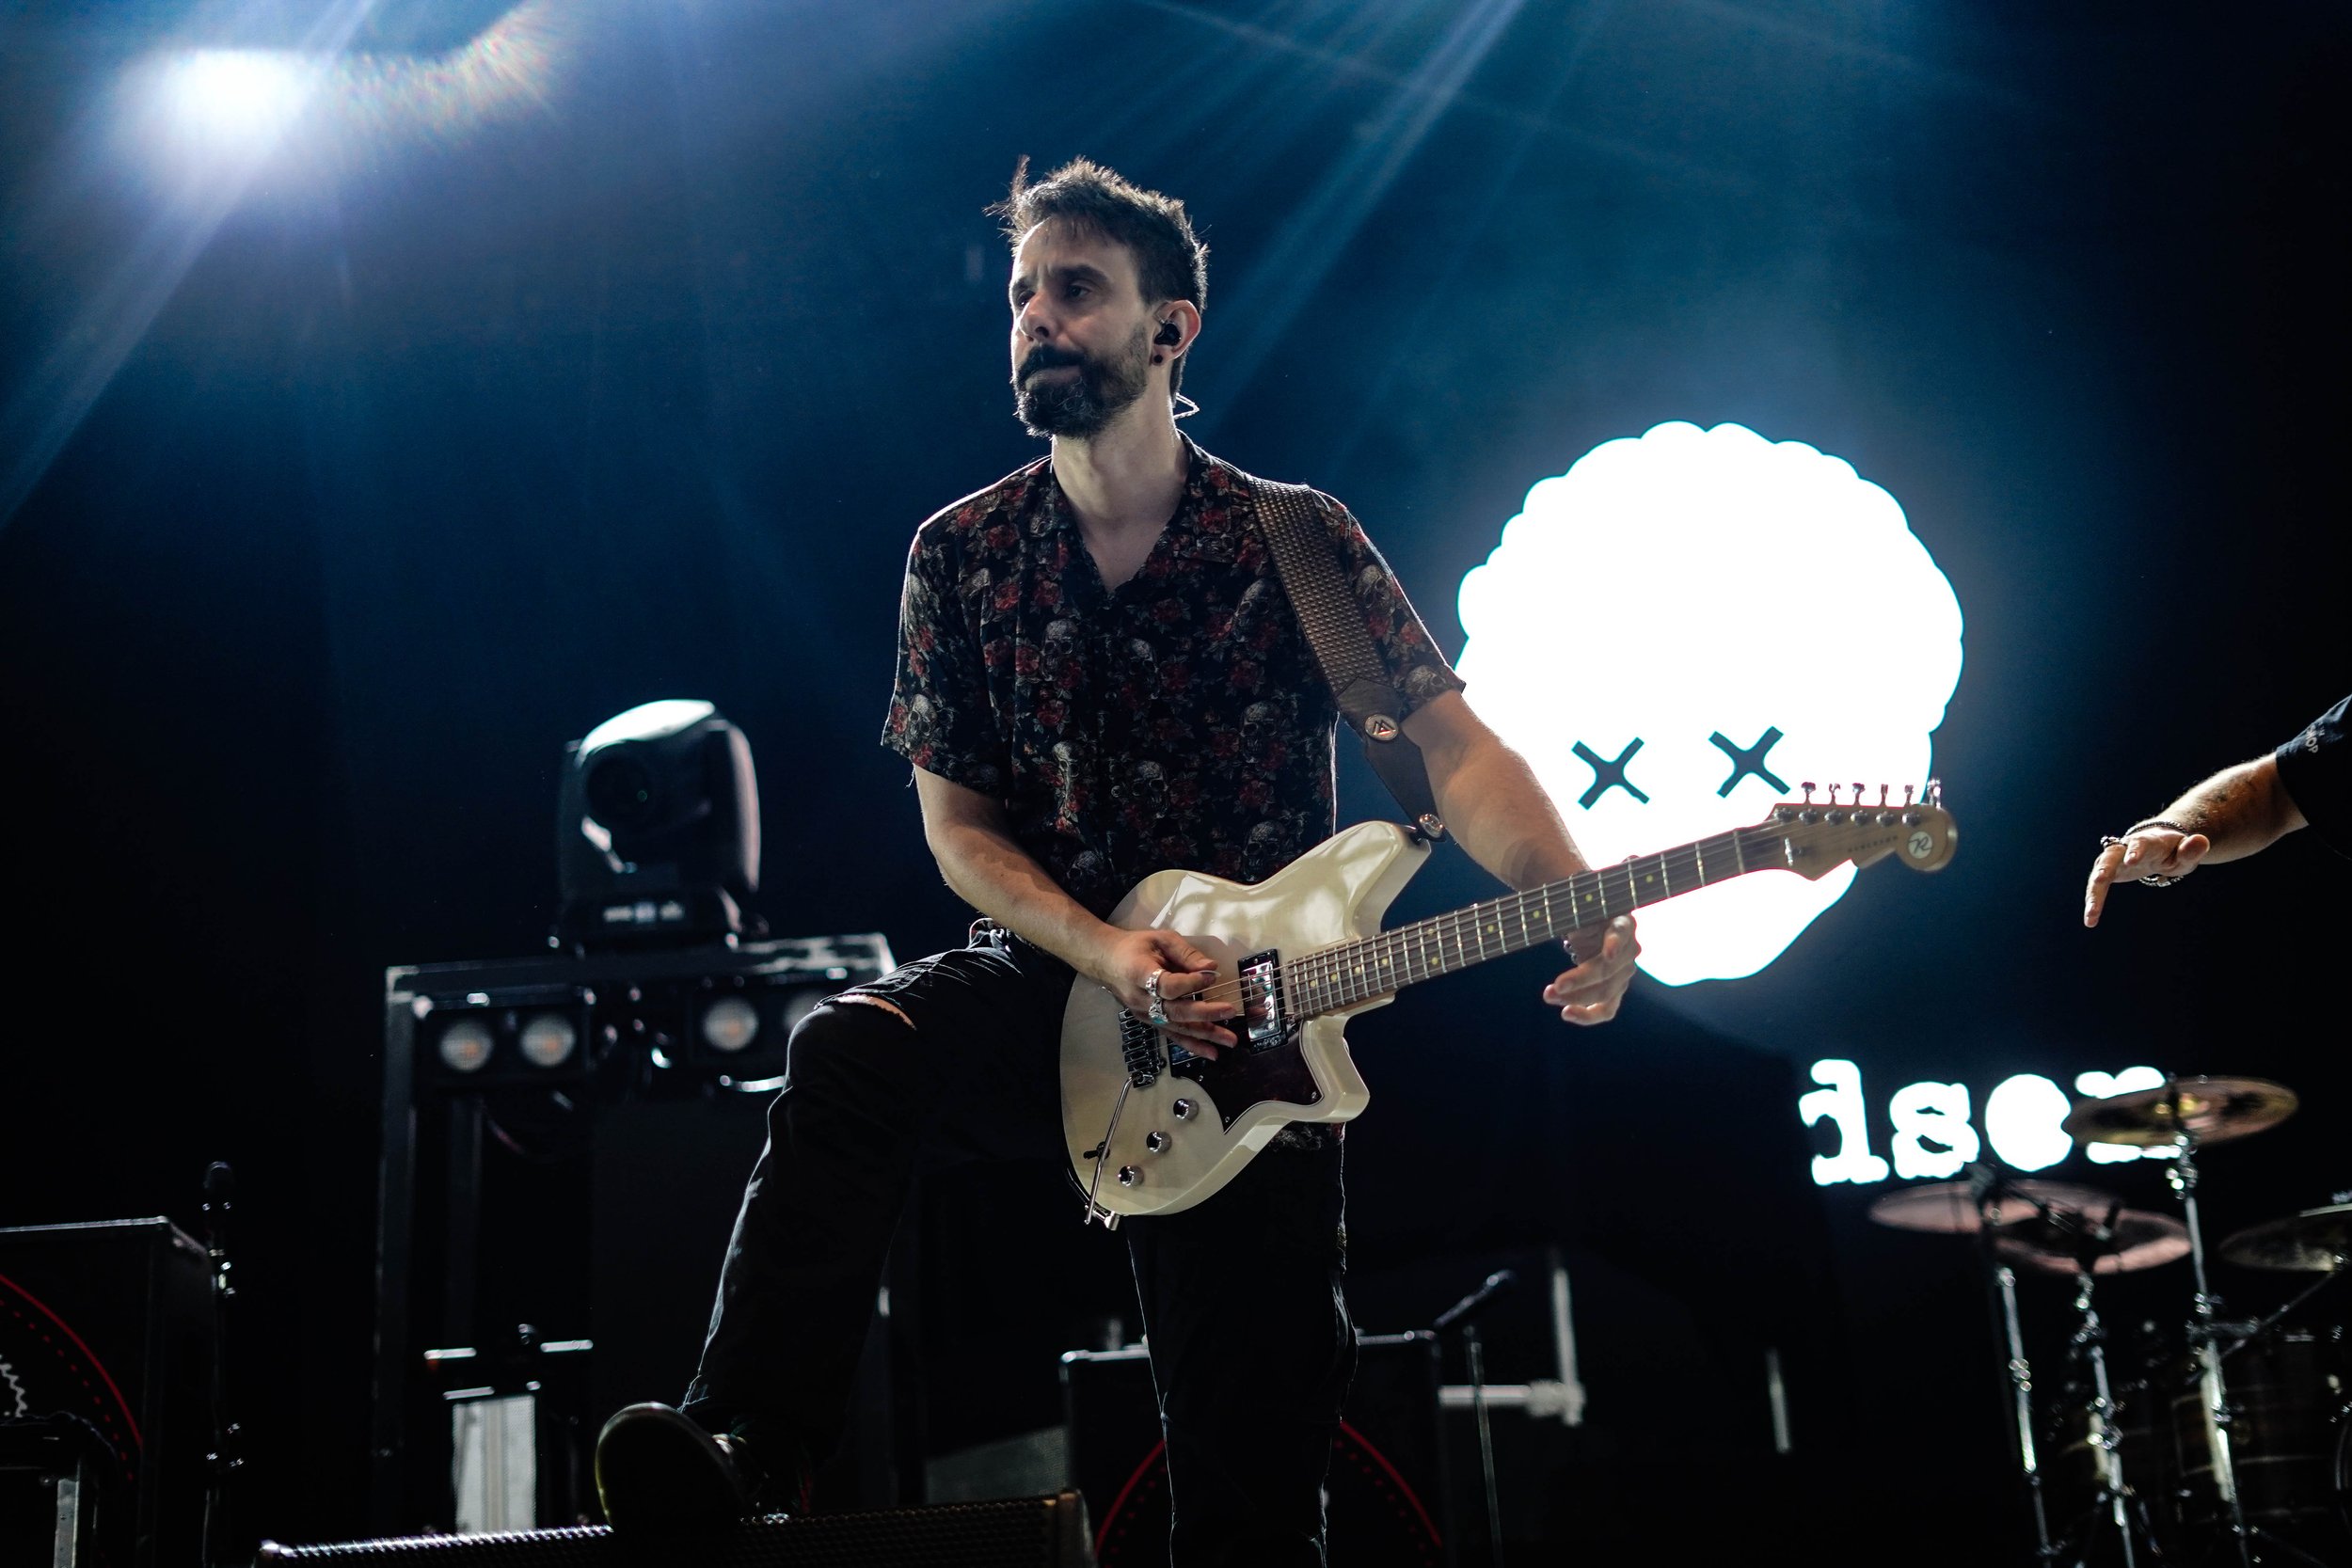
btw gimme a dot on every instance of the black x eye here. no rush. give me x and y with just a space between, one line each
1750 759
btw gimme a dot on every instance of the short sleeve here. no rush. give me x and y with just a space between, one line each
1415 668
940 719
2315 767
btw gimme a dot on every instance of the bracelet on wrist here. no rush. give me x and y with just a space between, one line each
2108 841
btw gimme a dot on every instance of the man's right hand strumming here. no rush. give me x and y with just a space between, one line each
1126 964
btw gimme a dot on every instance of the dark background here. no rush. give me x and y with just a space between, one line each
448 443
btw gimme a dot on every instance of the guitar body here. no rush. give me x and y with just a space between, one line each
1190 1130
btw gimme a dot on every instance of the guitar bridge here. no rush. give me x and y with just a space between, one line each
1139 1048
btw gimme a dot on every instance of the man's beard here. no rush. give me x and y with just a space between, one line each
1080 406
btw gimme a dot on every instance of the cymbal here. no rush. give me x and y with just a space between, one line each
1946 1210
2214 1110
2056 1243
2318 1241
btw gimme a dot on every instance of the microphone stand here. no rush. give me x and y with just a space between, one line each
221 1459
1474 1350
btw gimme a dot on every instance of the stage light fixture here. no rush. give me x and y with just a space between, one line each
730 1023
657 830
1768 616
466 1044
235 103
548 1040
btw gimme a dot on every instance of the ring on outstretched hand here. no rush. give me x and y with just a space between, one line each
1158 1011
2108 841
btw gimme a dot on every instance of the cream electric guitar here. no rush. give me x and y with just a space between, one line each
1153 1129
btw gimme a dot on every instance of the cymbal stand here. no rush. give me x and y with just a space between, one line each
2205 1331
2017 1370
2116 1500
2203 1338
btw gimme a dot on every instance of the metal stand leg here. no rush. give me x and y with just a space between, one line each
2020 1373
1476 1353
2114 1487
2212 1385
2017 1370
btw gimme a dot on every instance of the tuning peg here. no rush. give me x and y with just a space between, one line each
1808 786
1936 792
1882 795
1832 795
1857 792
1907 790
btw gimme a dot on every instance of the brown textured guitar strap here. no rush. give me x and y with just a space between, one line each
1333 621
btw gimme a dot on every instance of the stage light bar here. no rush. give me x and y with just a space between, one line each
478 1039
465 1045
548 1040
730 1025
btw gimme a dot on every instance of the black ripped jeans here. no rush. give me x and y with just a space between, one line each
1252 1347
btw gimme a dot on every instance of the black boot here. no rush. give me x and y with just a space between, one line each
658 1473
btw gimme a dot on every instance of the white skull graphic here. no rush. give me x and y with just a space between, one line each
1682 628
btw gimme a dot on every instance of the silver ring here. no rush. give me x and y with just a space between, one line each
1157 1013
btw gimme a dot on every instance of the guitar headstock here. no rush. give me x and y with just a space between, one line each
1823 835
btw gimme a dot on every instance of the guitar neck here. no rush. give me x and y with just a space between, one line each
1341 976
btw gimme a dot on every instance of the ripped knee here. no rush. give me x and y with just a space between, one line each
883 1003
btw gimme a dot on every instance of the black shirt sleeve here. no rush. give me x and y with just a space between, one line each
2316 769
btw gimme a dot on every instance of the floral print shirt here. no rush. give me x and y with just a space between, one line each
1178 720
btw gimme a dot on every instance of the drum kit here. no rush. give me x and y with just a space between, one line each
2230 1444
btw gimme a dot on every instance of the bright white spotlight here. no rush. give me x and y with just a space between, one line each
547 1040
1679 629
232 102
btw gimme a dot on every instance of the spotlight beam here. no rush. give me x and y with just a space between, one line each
1317 232
49 405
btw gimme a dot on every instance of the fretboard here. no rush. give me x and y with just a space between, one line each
1353 972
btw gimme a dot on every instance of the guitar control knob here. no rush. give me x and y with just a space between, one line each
1155 1142
1129 1176
1184 1109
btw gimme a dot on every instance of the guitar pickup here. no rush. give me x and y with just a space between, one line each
1264 1024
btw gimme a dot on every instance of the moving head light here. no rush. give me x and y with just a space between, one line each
657 830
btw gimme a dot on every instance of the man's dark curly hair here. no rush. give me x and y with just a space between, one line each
1171 260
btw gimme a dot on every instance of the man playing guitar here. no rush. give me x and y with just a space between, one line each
1098 677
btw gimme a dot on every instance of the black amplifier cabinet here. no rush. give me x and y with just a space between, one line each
108 1325
1017 1532
564 1143
1385 1492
